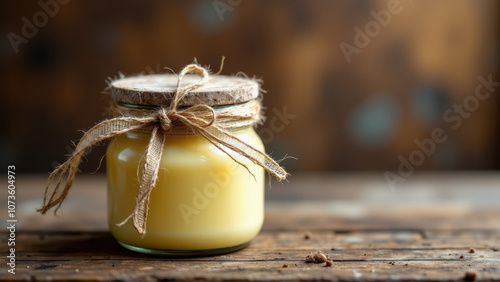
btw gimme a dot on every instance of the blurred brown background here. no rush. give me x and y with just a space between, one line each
352 116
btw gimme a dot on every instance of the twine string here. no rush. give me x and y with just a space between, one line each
202 119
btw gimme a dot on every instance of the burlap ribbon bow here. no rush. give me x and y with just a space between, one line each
203 120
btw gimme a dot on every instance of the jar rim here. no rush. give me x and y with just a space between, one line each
151 108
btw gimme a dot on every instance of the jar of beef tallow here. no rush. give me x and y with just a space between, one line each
204 201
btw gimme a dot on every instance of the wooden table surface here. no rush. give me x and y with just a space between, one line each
423 230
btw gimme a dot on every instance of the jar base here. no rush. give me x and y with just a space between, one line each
184 253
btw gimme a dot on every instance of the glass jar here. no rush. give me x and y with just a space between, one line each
204 203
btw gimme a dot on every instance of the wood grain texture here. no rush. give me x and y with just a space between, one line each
418 232
380 255
159 90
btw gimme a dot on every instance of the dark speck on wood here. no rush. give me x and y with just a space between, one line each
46 266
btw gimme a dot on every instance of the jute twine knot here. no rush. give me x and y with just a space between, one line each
164 119
202 119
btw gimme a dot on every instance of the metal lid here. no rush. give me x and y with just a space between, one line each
159 89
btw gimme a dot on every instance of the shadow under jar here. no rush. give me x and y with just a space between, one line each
204 203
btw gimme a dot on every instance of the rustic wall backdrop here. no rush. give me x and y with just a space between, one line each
406 72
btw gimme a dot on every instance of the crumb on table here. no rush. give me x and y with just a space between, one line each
317 257
307 235
470 276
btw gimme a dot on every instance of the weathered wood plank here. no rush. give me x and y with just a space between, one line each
418 232
360 201
391 255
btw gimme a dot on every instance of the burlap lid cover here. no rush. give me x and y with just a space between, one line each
159 89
